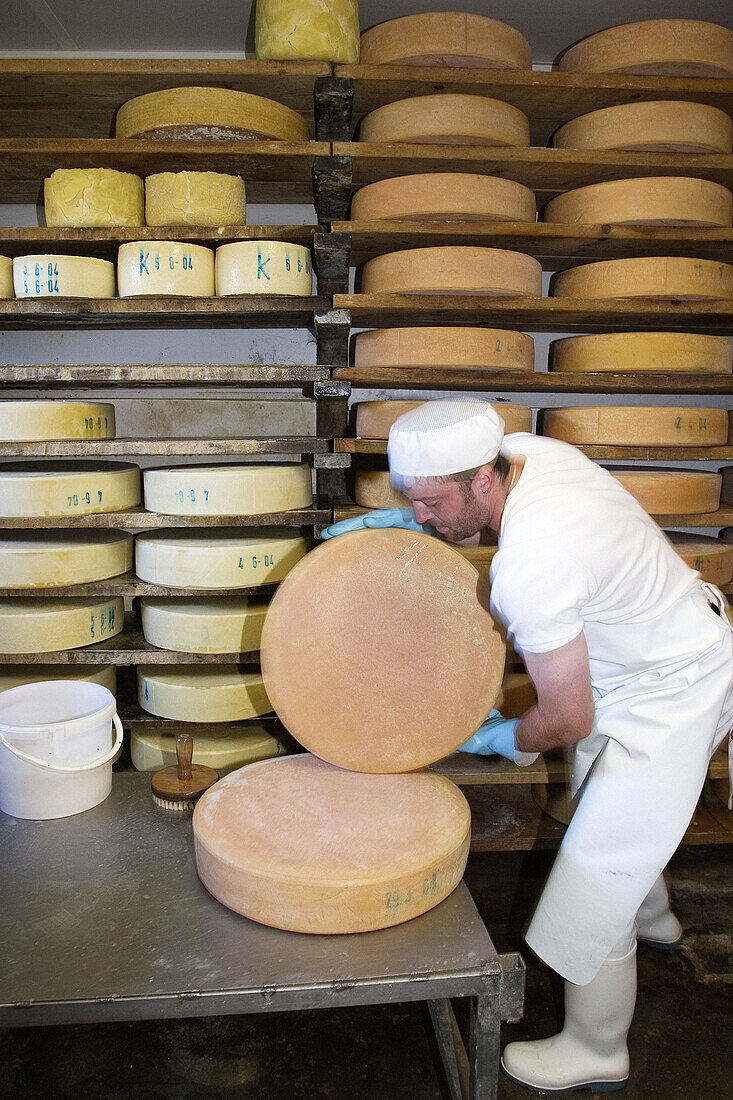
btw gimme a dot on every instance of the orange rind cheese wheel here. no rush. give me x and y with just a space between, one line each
459 39
447 196
208 114
654 47
661 277
651 200
637 425
672 492
643 351
455 269
655 126
452 348
711 558
447 119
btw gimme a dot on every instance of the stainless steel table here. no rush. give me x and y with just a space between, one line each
103 918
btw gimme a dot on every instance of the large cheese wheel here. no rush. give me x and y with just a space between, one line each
74 488
460 348
45 559
6 277
93 197
672 492
448 196
373 489
195 198
208 114
637 425
454 269
300 845
165 267
222 557
18 675
517 695
447 119
456 38
242 490
711 558
643 351
661 277
356 696
30 421
651 200
263 267
656 47
307 30
228 747
201 693
233 625
41 624
375 418
63 277
666 126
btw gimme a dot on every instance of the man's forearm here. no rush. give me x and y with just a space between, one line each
536 732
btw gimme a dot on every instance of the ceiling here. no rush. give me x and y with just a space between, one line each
219 28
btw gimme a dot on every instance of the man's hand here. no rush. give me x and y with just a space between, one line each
382 517
496 735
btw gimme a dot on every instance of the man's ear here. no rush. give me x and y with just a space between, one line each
484 479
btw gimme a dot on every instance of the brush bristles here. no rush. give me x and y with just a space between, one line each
167 804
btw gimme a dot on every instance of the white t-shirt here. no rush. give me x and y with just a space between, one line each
576 548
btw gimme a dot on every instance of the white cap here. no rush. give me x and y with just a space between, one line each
444 437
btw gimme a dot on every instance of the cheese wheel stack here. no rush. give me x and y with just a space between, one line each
711 558
18 675
637 425
224 748
655 126
444 196
375 418
45 420
208 114
307 30
644 351
453 270
447 119
221 557
651 200
373 489
241 490
165 268
201 693
93 198
655 47
233 625
450 348
54 276
47 559
6 278
46 625
195 198
73 488
661 277
671 492
459 39
263 267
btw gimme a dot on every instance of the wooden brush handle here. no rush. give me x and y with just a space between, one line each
184 756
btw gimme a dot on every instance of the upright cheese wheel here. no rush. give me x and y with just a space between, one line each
195 198
662 126
58 488
375 418
93 197
18 675
307 30
637 425
45 625
373 489
222 557
30 421
233 625
654 47
299 845
263 267
455 269
227 490
455 38
672 492
447 119
448 196
165 267
228 747
208 114
63 277
354 697
661 277
45 559
644 351
460 348
651 200
711 558
201 693
6 277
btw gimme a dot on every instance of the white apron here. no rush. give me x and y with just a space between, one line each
641 771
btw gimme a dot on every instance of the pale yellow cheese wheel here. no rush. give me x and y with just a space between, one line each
93 198
195 198
41 624
447 119
672 492
517 695
232 625
6 277
228 747
263 267
454 269
651 200
654 47
52 276
208 114
375 418
307 30
17 675
221 490
456 38
373 489
654 126
644 351
67 488
222 557
31 421
201 693
460 348
711 558
447 196
298 844
637 425
46 559
661 277
165 268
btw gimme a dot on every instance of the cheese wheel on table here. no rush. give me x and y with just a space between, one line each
18 675
654 47
223 490
373 489
458 347
165 268
6 277
637 425
448 196
671 492
46 559
375 418
53 276
228 747
208 114
232 625
195 198
459 269
307 30
447 119
651 200
456 38
643 351
263 267
661 277
38 421
201 693
221 557
711 558
42 624
654 126
51 487
93 197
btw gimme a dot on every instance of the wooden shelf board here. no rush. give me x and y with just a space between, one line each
111 447
266 311
163 374
133 716
128 584
680 454
139 519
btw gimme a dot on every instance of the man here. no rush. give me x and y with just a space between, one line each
632 659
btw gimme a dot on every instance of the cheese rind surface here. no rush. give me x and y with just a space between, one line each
643 351
661 277
67 488
655 126
165 268
447 196
460 348
195 198
221 490
232 625
93 198
672 492
46 559
655 47
229 747
201 693
711 558
45 625
307 30
17 675
459 39
63 277
453 269
447 119
208 114
375 418
637 425
222 557
31 421
373 489
651 200
263 267
6 277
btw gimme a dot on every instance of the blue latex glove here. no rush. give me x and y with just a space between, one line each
382 517
497 735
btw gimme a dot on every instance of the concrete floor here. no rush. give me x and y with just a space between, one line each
680 1039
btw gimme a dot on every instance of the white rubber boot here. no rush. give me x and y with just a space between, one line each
590 1051
656 924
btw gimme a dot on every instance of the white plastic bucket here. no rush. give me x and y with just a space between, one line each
56 748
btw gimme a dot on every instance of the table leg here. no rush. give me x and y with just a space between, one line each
452 1051
483 1047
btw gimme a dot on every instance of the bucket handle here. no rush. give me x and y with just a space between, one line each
96 763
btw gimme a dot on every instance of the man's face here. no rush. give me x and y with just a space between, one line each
452 508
